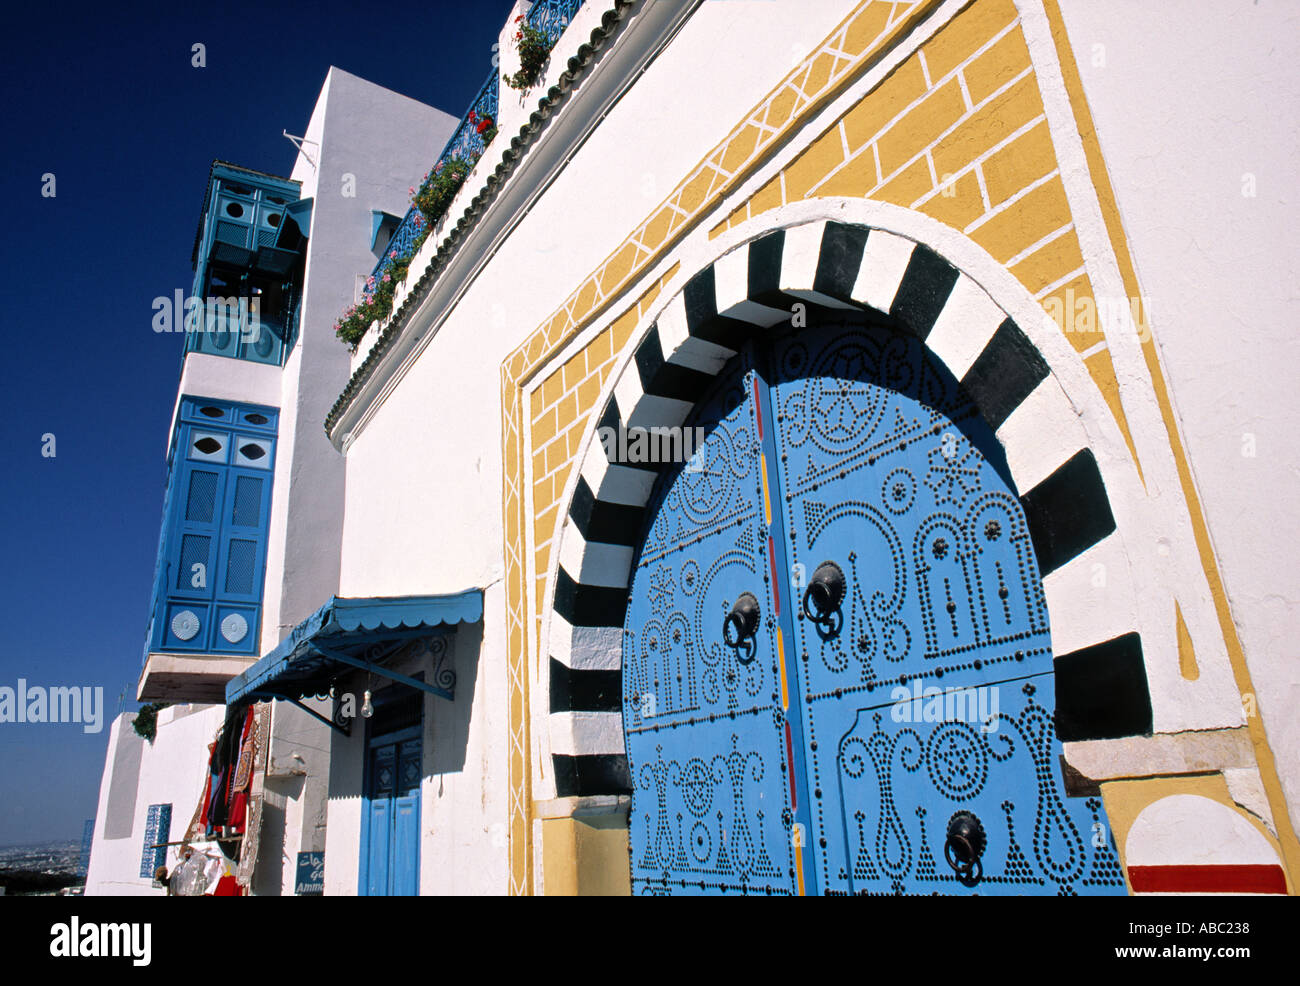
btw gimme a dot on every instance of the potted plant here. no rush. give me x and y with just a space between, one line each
534 47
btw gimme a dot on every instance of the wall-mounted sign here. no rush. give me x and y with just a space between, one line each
311 875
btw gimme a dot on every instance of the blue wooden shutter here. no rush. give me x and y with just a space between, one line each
219 505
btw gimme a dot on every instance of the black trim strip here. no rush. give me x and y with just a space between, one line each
589 605
1101 692
660 378
1068 512
839 260
604 773
763 278
602 522
1004 374
576 690
700 298
926 285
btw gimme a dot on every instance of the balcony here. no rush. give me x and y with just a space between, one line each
477 127
248 258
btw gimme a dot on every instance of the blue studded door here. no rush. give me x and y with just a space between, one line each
838 666
923 648
707 741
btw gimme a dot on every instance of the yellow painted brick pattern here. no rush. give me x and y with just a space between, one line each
1074 309
1050 263
900 89
996 67
991 122
968 32
957 203
1021 162
1025 221
955 131
920 127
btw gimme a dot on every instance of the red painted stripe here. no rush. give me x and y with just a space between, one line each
771 560
1228 879
789 759
758 410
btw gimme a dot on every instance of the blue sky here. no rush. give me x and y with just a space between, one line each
105 98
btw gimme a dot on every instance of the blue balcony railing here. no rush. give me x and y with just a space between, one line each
552 16
467 143
476 126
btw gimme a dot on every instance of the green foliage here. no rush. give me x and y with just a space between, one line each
440 187
146 720
534 48
432 199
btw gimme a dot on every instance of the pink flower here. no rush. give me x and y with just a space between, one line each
392 255
387 278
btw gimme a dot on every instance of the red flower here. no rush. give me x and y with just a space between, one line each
483 124
519 18
472 116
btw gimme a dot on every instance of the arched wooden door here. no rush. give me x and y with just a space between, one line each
887 728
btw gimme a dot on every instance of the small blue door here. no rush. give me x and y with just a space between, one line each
390 821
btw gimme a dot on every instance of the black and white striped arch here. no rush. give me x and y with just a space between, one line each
1101 689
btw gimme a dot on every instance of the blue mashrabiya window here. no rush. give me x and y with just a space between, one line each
212 553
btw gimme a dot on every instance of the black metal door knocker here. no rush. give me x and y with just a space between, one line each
740 627
822 599
964 847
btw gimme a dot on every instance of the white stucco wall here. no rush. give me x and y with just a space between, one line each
366 145
1195 110
172 770
425 473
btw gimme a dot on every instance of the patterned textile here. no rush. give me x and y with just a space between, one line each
253 819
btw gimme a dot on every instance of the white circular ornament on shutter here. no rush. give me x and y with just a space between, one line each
185 625
234 628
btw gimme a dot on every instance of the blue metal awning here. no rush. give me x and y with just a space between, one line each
329 643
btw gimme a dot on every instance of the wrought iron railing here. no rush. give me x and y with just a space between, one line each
476 129
468 142
552 16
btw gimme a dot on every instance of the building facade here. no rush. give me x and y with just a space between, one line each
794 448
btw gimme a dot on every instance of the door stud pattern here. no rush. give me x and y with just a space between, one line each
705 734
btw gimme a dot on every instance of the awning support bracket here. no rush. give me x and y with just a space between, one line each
345 730
364 665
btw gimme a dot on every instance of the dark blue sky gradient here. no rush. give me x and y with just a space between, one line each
104 97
